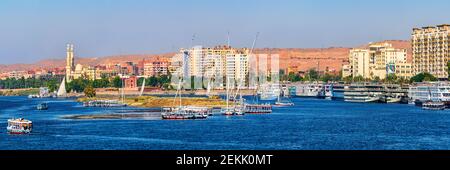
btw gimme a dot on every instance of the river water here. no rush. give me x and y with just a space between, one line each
312 124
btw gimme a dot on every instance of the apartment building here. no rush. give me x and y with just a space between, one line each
430 47
212 63
376 61
156 68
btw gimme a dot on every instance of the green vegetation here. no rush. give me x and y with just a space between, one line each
421 77
294 77
311 75
89 91
329 77
79 85
448 69
22 83
18 92
155 102
390 79
162 81
117 82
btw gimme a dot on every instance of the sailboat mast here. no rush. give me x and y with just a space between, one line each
227 90
123 93
179 89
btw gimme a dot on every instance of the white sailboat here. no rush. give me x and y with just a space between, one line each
142 88
235 110
62 89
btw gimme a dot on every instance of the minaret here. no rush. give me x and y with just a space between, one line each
70 64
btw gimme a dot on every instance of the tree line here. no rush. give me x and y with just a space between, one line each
11 83
163 81
78 85
313 75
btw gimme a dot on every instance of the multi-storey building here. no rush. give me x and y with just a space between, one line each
359 63
430 47
237 68
403 70
384 58
378 60
19 75
211 63
156 68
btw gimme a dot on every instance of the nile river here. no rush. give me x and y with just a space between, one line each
312 124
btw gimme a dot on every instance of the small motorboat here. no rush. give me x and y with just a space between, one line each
233 112
433 105
19 126
42 106
281 103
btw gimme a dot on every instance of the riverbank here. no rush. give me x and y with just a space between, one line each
115 116
18 92
156 102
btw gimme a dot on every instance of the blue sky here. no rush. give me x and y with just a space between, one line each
31 30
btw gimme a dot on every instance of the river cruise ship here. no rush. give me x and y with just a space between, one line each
258 108
429 91
432 105
318 90
362 93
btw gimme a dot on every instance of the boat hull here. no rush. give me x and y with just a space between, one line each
258 112
18 131
283 104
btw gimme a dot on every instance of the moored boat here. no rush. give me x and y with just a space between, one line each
258 108
42 106
280 102
181 113
361 93
104 103
284 104
420 93
433 105
19 126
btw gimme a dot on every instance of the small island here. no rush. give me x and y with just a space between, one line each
157 102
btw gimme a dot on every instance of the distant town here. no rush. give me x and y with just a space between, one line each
424 55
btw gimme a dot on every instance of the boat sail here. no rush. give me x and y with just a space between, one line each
62 89
142 88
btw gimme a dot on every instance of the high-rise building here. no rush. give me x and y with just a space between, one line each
237 68
211 63
431 47
359 63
